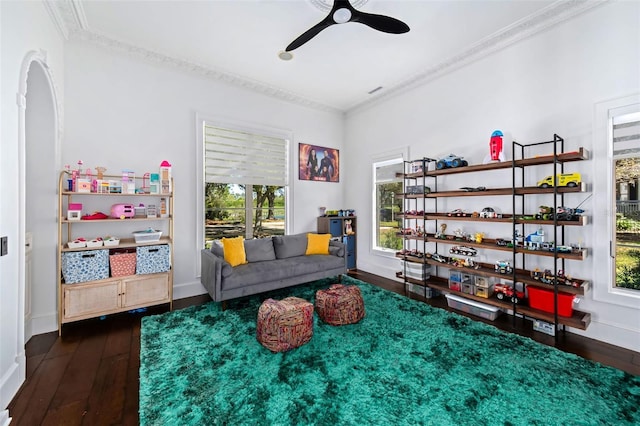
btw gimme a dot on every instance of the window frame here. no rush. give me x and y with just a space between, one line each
401 154
200 121
604 288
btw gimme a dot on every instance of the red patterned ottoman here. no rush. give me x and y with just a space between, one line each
284 324
340 305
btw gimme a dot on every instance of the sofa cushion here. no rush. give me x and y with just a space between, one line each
317 243
280 269
259 250
216 248
287 246
234 251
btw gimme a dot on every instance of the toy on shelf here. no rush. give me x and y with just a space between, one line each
165 177
503 267
128 182
562 179
458 213
123 211
535 240
463 250
495 148
450 161
505 291
74 211
489 213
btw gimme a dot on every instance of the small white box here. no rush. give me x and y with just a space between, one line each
77 244
111 242
74 214
94 243
544 327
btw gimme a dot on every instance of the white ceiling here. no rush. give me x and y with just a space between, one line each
239 40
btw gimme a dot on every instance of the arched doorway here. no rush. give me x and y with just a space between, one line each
39 163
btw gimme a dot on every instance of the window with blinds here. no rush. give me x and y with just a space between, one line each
626 158
239 157
245 182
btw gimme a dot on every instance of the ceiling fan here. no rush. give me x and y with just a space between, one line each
343 12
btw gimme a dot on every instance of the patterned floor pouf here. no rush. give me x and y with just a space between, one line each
340 304
284 324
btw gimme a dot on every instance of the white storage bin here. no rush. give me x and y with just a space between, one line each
472 307
148 236
418 271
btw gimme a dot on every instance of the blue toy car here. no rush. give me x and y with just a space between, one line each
449 161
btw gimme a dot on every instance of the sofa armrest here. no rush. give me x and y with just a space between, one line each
337 248
211 273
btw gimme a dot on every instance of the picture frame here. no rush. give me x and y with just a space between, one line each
318 163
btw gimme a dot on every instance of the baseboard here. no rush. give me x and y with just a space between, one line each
379 269
5 420
10 383
184 290
44 323
611 334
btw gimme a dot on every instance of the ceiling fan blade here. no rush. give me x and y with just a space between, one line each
382 23
310 33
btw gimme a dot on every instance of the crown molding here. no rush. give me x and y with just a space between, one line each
162 59
553 15
59 22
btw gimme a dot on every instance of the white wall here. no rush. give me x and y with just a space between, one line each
25 27
122 112
547 84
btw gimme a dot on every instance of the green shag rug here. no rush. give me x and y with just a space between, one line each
405 363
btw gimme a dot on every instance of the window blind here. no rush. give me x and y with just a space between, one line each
386 171
626 135
240 157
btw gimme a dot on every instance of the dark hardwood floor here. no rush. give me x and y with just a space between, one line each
90 375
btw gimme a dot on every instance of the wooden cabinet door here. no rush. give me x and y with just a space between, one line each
145 290
90 299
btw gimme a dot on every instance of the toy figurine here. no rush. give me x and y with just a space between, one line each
443 227
100 172
479 236
495 148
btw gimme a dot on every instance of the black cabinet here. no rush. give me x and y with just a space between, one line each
343 227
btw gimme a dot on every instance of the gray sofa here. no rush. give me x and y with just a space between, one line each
273 263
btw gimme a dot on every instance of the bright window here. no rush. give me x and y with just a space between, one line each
387 186
616 230
245 183
626 159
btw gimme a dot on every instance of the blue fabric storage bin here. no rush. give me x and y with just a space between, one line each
81 266
152 259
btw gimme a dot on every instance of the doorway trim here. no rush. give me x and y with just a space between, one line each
39 57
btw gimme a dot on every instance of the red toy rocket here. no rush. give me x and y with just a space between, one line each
495 148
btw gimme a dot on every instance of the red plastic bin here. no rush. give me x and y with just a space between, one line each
542 299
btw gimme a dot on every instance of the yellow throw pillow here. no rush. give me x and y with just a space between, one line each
234 251
318 243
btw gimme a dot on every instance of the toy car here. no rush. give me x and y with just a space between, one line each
505 291
562 179
449 161
489 213
458 213
465 251
503 267
439 258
